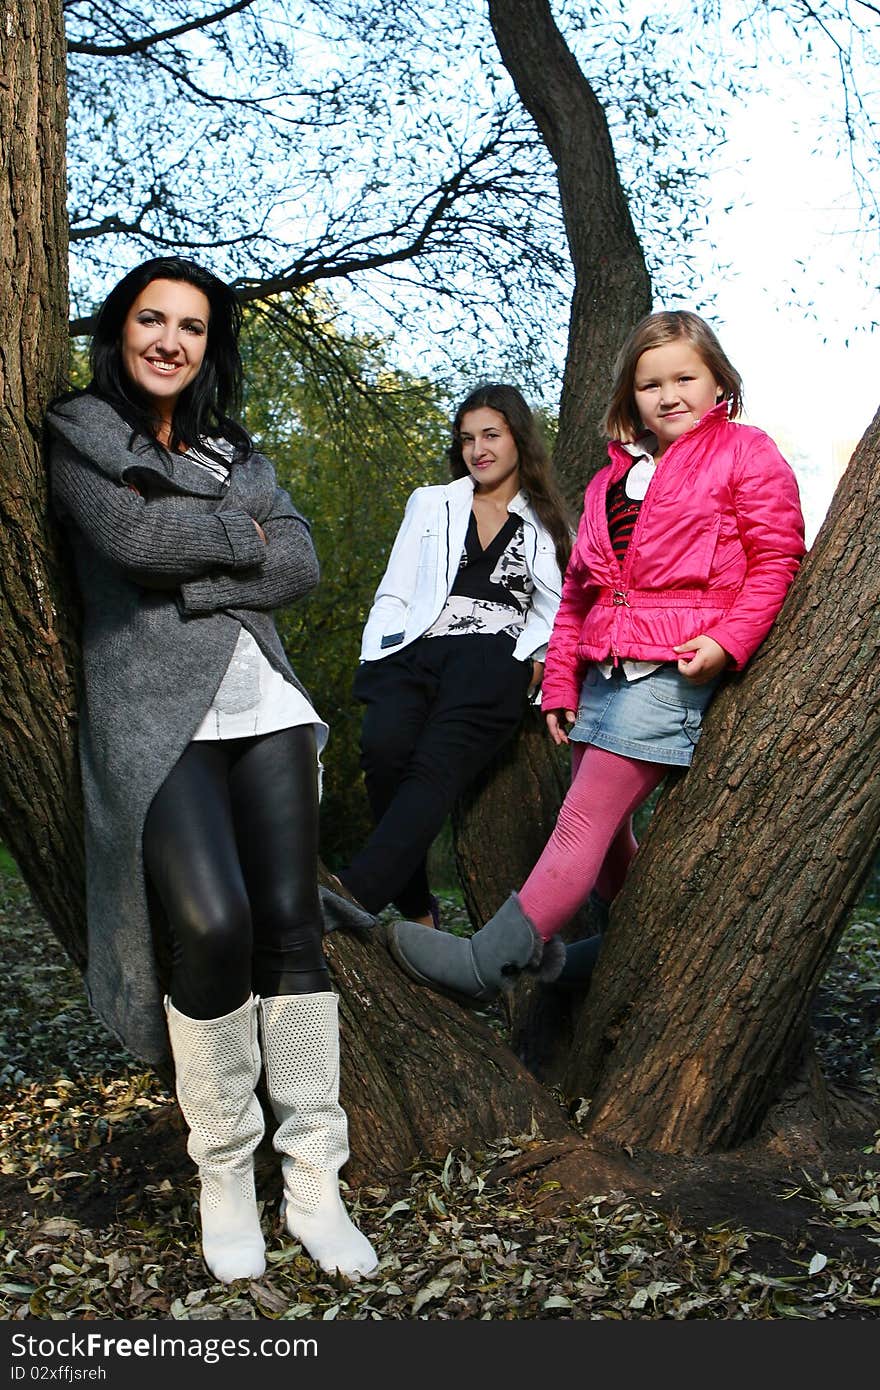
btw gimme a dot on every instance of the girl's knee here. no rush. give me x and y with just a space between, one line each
384 745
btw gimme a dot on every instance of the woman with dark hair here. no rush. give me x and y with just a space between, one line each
199 754
455 639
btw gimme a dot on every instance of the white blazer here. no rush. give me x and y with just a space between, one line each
424 562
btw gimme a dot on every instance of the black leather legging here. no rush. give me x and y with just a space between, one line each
231 850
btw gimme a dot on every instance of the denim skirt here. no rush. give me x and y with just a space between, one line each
656 718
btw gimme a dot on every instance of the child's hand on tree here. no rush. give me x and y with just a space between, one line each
708 661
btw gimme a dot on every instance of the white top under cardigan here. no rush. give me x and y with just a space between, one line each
252 698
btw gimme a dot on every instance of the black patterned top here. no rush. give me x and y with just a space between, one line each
493 588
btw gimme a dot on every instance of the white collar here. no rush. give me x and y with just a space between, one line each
638 478
643 447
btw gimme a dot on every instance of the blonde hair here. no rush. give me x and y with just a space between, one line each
622 420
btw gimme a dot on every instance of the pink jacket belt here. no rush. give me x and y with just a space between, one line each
665 598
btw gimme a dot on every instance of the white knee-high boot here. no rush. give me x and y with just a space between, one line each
301 1054
217 1065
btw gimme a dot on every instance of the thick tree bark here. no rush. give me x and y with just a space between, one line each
612 288
39 804
420 1075
698 1010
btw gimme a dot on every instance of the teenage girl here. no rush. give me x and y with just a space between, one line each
689 540
198 750
455 638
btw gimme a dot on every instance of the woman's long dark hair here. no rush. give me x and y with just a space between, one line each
535 468
207 407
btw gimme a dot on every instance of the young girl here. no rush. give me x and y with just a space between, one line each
689 540
456 637
199 759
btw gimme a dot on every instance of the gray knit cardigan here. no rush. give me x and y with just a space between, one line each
171 567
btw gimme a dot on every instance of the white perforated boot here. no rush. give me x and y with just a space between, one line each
217 1065
301 1054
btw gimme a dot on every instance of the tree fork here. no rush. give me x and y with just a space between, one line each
697 1015
420 1075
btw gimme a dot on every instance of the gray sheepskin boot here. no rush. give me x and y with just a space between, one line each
476 967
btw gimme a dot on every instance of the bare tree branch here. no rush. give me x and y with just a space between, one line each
346 261
126 50
112 224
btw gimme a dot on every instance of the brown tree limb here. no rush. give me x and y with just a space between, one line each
612 287
133 46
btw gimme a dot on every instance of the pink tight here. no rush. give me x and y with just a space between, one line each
592 844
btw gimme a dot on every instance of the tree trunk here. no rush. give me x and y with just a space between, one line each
697 1014
39 804
420 1075
502 826
612 287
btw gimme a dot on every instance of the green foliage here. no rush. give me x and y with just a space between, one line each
79 373
350 438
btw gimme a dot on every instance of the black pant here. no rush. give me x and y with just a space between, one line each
231 850
436 713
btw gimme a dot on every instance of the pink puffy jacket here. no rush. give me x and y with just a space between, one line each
715 548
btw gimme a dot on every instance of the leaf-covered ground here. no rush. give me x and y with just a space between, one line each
97 1197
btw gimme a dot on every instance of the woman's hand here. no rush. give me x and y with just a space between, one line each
537 676
708 661
260 532
554 724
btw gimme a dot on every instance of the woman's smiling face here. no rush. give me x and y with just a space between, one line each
489 450
163 341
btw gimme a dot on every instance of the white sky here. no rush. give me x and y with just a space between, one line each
794 311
